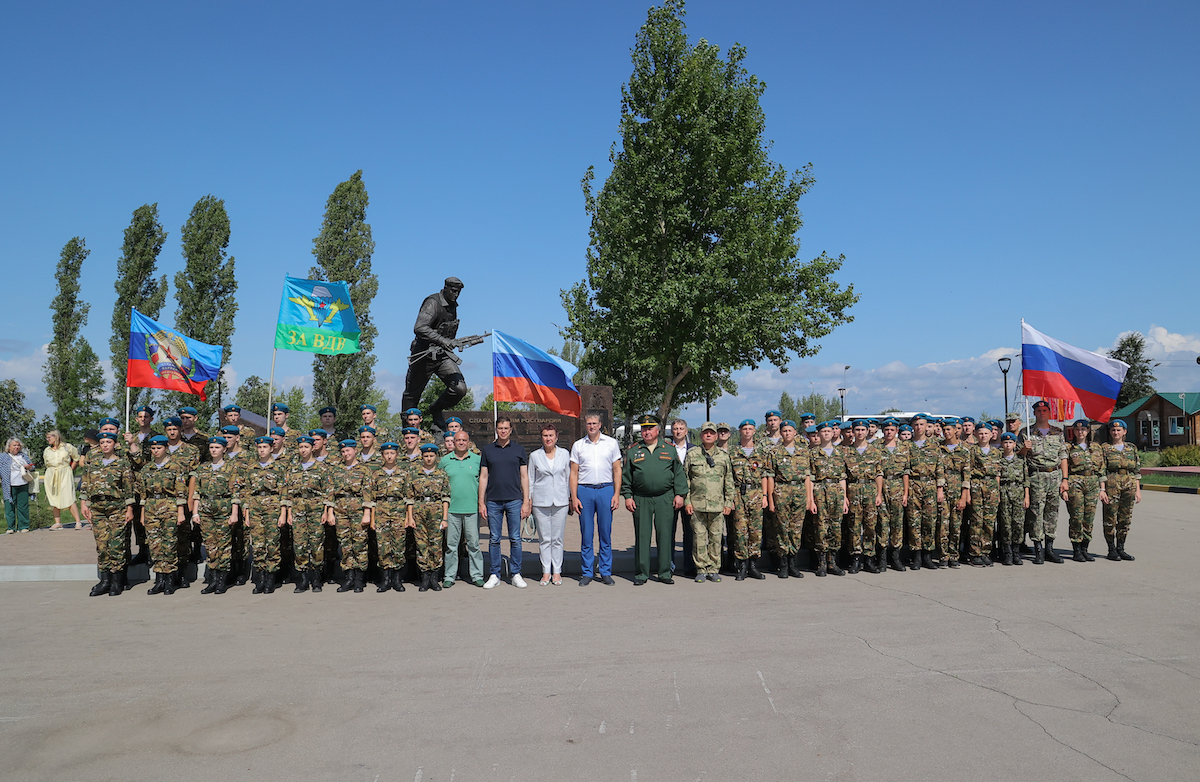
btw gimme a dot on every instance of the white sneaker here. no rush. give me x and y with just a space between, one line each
518 582
493 579
9 531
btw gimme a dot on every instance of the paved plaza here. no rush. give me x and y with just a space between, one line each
1055 672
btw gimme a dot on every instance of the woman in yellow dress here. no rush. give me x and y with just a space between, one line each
60 459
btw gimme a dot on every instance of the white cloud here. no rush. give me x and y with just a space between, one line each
1160 342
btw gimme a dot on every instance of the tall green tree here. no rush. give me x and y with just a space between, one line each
692 269
1140 379
573 353
343 251
137 288
206 293
16 420
72 371
823 407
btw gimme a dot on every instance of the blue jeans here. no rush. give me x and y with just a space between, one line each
496 511
597 508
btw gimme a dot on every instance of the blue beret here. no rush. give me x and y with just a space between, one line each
845 425
304 439
891 422
454 420
106 436
281 407
808 415
390 446
173 421
348 444
1008 436
410 430
826 425
770 413
317 433
905 428
857 422
232 409
278 430
231 429
158 439
367 407
1082 422
810 429
985 425
325 410
188 409
220 440
370 429
145 409
749 421
1117 422
110 421
412 411
968 419
918 417
951 420
996 423
787 422
429 448
263 439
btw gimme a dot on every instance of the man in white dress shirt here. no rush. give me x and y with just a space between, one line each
595 487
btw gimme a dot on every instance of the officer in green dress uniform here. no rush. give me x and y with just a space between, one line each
653 485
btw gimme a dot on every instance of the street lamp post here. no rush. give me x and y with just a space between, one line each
1005 363
842 394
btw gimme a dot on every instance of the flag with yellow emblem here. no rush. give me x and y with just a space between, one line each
316 316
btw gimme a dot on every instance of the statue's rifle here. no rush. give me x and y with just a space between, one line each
459 344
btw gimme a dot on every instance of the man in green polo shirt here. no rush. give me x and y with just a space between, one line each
653 485
462 467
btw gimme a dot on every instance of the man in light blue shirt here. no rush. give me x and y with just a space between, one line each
462 467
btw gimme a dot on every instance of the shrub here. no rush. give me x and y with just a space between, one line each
1180 456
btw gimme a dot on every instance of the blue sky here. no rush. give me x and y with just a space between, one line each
976 163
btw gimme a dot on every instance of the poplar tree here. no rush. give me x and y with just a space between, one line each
15 418
137 288
205 291
343 251
72 370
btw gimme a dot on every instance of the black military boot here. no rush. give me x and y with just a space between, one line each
773 558
349 582
1121 550
398 581
927 560
1112 550
1016 554
978 561
424 581
208 577
1077 551
1051 554
783 564
1005 554
221 582
792 564
820 569
953 563
435 583
360 581
855 564
1086 554
301 582
170 582
740 575
256 578
869 564
269 582
832 566
102 586
158 585
752 569
211 586
916 560
1038 556
385 583
243 573
894 559
117 585
314 579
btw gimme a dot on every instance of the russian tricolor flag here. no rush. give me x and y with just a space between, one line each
1056 369
523 373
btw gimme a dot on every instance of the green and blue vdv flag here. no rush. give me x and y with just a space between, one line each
317 317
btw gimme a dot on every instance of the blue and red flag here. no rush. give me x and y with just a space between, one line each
162 358
523 373
1051 368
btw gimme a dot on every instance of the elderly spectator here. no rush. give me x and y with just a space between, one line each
60 459
595 487
16 476
504 493
462 467
549 478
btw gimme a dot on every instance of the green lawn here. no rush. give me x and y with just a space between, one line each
1173 480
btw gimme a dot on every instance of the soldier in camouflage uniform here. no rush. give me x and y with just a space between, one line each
787 468
767 439
246 434
238 459
1120 489
213 509
1085 465
412 418
1014 499
279 417
162 488
391 491
368 413
984 495
454 425
259 492
308 502
428 511
710 496
1044 448
926 488
890 537
351 484
751 468
107 498
864 479
828 468
189 458
957 460
368 452
190 434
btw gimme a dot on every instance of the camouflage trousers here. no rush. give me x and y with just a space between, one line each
217 532
1041 520
1118 513
262 528
161 518
389 531
1083 492
922 513
706 540
308 534
770 533
950 521
791 501
428 516
862 518
747 521
352 535
108 528
890 524
984 498
1010 513
829 498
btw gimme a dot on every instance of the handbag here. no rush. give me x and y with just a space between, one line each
529 529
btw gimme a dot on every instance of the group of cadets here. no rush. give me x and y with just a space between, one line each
284 495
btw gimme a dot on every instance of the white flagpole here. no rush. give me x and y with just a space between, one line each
1023 394
495 409
271 391
126 404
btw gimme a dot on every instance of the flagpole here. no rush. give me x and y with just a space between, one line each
127 407
271 390
1024 396
495 413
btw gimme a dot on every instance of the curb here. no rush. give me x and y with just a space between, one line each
1170 489
10 573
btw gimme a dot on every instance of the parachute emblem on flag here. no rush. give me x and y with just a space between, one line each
323 301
